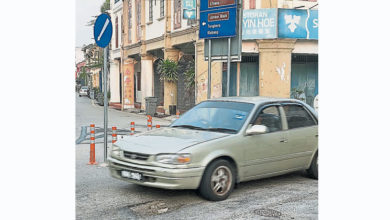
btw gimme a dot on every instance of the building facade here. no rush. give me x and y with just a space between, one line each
115 71
152 30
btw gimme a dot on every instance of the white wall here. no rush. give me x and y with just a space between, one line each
306 46
183 21
116 12
114 82
146 80
157 27
79 55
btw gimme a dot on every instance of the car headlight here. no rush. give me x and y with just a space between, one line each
174 158
115 151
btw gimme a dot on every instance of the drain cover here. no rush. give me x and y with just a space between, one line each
267 212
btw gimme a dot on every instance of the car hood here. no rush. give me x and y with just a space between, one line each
166 140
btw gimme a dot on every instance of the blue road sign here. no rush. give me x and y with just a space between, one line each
217 18
102 30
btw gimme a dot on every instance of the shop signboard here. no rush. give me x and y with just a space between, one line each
189 9
300 24
259 24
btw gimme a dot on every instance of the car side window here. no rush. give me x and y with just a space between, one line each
269 117
297 116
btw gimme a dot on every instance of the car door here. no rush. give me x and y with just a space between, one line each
302 134
263 152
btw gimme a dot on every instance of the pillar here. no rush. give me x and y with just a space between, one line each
201 81
170 88
275 67
146 78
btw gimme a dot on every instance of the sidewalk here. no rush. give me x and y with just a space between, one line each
132 113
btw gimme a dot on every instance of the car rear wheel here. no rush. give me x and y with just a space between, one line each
313 170
218 180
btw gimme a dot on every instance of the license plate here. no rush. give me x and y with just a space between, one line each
131 175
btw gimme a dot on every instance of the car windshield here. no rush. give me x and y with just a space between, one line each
215 116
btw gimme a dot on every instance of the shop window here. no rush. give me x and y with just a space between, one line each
130 22
150 10
177 14
138 11
162 5
116 32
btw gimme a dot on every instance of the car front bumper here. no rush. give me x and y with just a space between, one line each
158 177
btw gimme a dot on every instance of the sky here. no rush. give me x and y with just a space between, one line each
85 9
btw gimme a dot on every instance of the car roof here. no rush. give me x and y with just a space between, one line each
253 99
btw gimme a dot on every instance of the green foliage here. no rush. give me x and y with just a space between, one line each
83 75
296 93
190 75
168 70
105 6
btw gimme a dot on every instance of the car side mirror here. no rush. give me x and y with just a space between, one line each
257 129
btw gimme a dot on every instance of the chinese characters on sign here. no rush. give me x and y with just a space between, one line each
259 24
128 84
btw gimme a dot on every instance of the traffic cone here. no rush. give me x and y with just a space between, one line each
92 160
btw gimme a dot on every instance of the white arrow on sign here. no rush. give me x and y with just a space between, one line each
203 23
104 28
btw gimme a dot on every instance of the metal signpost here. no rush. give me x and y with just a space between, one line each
102 32
218 19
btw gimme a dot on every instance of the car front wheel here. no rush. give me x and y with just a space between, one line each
218 180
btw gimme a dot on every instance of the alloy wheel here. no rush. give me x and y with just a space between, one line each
221 180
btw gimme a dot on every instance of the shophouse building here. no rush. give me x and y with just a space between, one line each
276 61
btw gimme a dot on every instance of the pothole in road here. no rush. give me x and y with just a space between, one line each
151 208
268 213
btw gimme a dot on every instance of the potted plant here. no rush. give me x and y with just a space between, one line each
168 71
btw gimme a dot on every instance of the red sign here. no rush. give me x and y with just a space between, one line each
220 16
219 3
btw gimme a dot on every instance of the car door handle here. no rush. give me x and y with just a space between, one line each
283 141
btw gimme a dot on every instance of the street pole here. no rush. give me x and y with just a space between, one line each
105 103
209 72
228 69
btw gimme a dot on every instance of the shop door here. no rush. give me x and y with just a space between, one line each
249 77
158 84
138 94
120 87
233 79
304 78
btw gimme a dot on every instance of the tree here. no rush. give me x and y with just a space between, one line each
168 70
105 6
103 9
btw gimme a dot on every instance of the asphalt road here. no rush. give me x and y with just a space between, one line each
98 196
